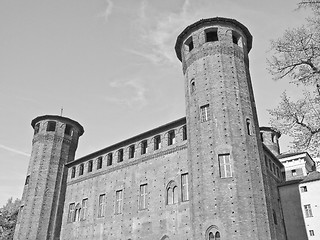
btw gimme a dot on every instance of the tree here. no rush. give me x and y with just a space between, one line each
8 218
296 55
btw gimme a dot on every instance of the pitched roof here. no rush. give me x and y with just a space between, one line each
313 176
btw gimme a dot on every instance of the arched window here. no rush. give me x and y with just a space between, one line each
81 167
212 233
172 193
192 85
77 213
248 124
211 236
217 236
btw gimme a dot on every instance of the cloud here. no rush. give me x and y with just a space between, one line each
158 36
107 12
14 150
130 92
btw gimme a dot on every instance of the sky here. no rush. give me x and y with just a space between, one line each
111 66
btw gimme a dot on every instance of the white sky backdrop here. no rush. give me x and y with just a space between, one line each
111 65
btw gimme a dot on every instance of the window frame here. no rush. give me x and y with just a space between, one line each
225 167
204 113
308 210
143 196
171 137
109 159
101 205
81 169
144 147
120 155
119 201
184 187
99 162
51 126
157 142
131 151
90 166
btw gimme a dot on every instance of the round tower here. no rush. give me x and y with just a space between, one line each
54 144
224 155
270 138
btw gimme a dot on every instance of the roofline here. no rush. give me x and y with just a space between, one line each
271 153
290 182
270 129
181 36
58 118
295 154
179 121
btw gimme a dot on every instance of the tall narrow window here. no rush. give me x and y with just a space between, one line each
77 213
101 207
157 142
225 165
171 138
189 44
84 208
204 113
71 212
217 235
51 127
184 133
248 124
81 167
27 180
109 159
144 147
73 172
169 195
68 130
175 194
36 128
308 211
266 160
131 151
90 165
311 232
211 236
99 163
192 86
119 201
211 35
120 155
274 217
143 197
184 187
261 136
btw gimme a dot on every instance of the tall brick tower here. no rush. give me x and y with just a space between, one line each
227 175
54 144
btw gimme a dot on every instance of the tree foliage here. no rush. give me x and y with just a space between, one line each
296 55
8 218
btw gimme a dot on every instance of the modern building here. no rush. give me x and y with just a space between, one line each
205 176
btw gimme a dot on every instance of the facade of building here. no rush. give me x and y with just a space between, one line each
205 176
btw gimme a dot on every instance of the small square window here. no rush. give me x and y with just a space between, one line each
311 232
303 189
211 35
294 172
51 127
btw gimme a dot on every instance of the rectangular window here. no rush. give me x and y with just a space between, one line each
120 155
225 165
270 165
184 187
308 211
144 147
204 113
119 201
157 142
143 197
171 138
273 168
36 128
303 189
68 130
274 217
311 232
71 216
212 35
131 151
109 159
73 172
51 127
184 133
90 165
99 163
189 44
81 167
27 180
84 209
101 208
